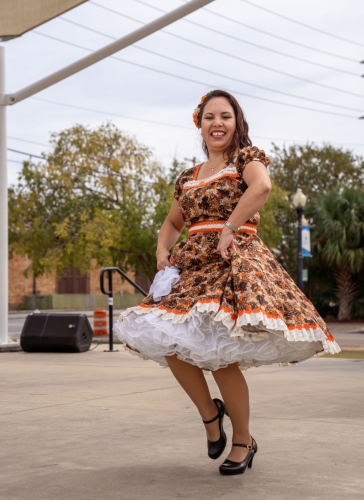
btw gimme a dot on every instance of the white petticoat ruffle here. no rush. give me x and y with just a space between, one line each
211 340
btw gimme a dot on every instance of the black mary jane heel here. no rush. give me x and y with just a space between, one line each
216 448
230 468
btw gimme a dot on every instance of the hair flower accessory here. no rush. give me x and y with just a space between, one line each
196 112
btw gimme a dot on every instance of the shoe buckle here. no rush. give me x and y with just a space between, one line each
249 446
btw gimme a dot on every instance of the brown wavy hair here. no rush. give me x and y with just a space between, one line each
241 136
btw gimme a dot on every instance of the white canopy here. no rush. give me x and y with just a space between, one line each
19 16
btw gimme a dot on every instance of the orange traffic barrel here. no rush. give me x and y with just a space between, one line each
100 322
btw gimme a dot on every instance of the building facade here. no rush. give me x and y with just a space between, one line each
72 282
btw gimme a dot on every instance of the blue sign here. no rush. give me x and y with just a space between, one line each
306 241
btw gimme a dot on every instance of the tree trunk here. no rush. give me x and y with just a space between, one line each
346 291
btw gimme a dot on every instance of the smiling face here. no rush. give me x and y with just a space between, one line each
218 124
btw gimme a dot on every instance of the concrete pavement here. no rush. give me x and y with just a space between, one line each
349 336
111 426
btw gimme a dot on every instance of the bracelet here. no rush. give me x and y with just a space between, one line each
230 226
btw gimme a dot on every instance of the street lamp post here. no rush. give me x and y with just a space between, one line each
299 202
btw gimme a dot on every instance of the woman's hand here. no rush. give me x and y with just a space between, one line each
226 244
163 260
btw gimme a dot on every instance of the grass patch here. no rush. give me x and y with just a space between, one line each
347 355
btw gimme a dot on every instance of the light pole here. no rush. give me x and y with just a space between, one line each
193 160
299 202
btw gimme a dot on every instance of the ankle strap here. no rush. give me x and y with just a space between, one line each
220 408
248 446
212 420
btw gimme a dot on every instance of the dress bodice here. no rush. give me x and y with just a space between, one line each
215 197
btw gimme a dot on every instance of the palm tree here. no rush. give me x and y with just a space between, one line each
338 241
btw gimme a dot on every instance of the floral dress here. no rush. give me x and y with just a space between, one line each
247 310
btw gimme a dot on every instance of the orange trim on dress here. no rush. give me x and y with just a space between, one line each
257 310
202 182
167 309
240 313
302 327
197 171
217 226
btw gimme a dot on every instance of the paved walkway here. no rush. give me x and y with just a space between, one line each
101 425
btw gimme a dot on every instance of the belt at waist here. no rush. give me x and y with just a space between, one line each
217 226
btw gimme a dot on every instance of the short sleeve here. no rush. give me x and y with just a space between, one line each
178 187
248 154
185 176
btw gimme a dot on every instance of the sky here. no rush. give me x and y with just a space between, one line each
237 45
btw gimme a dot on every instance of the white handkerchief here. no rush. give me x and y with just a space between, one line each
163 282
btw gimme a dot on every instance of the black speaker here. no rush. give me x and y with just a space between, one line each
54 332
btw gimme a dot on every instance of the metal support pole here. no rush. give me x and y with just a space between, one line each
299 247
111 313
6 344
109 293
4 338
34 293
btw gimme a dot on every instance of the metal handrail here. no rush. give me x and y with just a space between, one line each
109 293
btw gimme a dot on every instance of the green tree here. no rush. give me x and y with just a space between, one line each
176 169
38 208
338 242
273 214
99 195
317 170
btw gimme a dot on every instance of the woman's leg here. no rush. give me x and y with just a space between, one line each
193 381
235 393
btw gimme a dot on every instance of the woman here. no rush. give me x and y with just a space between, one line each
233 305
